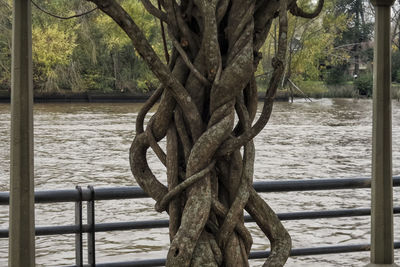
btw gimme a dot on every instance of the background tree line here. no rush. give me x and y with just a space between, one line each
91 53
85 53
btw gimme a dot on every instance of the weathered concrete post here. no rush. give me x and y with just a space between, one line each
382 251
22 232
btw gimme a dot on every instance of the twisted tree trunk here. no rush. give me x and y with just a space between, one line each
209 79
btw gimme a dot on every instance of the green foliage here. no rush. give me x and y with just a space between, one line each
343 90
396 66
5 43
358 29
52 48
92 53
396 76
396 91
319 89
47 44
86 53
357 33
364 84
317 38
311 44
336 75
129 72
315 89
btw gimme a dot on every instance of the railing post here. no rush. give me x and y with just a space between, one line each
78 236
22 224
382 250
91 234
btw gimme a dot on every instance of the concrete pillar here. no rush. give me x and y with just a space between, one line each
382 251
22 231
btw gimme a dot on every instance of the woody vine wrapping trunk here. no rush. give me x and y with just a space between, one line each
209 78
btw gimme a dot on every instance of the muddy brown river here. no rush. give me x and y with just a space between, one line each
87 144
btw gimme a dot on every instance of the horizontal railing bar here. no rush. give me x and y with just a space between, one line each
149 224
256 255
311 185
72 195
320 250
303 215
131 192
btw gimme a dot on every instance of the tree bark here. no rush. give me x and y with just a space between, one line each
209 79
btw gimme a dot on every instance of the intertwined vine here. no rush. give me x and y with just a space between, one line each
209 78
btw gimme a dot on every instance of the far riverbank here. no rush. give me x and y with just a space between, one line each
100 97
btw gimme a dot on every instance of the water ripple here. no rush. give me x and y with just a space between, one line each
82 144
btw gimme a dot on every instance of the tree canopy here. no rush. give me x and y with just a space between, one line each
91 53
84 53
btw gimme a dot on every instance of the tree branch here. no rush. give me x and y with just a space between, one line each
158 13
278 63
122 18
188 63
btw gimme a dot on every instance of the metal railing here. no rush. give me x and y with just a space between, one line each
91 194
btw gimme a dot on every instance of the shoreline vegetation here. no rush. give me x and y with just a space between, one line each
311 89
91 56
319 89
